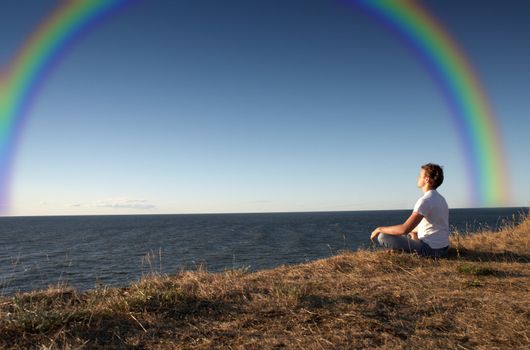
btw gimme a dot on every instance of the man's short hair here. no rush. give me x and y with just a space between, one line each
435 173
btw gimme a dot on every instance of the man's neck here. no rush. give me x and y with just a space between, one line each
426 189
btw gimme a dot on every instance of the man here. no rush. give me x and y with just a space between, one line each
430 217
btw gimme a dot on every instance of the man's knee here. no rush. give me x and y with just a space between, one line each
396 242
382 239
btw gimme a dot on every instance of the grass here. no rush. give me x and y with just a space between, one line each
478 298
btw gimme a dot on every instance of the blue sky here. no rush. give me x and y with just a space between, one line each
251 106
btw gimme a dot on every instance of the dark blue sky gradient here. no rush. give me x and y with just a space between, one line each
223 106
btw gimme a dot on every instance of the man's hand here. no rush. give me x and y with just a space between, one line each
413 235
375 233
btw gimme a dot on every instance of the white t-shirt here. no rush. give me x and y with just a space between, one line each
434 228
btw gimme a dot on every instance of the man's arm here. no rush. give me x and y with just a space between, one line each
406 227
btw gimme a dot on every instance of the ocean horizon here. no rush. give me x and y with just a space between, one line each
88 251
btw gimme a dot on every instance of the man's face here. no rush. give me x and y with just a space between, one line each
422 178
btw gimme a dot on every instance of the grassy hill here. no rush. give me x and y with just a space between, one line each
477 298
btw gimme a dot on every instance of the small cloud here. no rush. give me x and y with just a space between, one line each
75 205
122 203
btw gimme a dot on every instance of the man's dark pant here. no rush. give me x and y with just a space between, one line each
407 244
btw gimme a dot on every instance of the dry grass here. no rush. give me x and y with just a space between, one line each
477 299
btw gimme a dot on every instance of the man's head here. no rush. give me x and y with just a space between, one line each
432 174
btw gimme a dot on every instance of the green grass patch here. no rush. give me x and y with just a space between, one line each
476 270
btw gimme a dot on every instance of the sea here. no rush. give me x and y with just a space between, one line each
87 252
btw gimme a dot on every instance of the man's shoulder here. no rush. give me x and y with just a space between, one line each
438 195
433 194
422 203
438 199
429 197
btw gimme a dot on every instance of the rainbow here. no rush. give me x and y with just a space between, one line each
470 109
22 77
460 86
